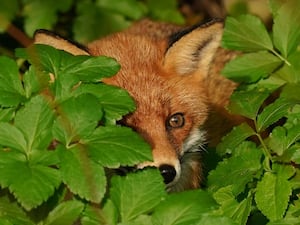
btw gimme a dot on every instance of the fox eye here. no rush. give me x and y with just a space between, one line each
176 121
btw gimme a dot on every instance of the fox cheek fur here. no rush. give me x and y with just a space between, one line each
175 86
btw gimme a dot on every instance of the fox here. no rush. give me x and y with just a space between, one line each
173 73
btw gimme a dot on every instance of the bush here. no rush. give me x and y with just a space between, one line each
59 140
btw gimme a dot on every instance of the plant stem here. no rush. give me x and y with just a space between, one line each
281 57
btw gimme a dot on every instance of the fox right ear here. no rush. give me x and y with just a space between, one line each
48 38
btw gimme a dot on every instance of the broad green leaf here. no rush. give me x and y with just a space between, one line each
35 121
251 67
208 219
183 208
12 137
272 113
247 102
272 195
246 33
34 186
115 101
230 207
8 10
166 10
6 114
286 28
12 212
115 146
93 215
137 193
78 117
87 11
234 138
65 213
238 170
82 175
132 9
43 14
11 90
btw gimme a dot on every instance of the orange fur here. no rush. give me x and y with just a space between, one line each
165 78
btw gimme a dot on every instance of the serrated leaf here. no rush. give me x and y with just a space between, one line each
272 113
230 207
237 170
272 195
108 214
65 213
247 102
35 121
137 193
78 117
183 208
251 67
82 175
12 212
37 183
12 137
115 146
234 138
286 28
246 33
11 90
115 101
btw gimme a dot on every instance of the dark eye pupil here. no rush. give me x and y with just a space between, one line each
176 120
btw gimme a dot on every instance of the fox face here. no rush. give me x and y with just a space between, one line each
167 72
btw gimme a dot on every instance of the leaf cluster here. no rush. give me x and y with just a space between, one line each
257 182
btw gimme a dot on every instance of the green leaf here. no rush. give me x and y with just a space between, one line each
78 117
115 146
35 121
286 28
12 137
137 193
272 195
272 113
11 90
65 213
208 219
234 138
43 14
8 10
12 212
183 208
251 67
115 101
82 175
37 183
87 11
132 9
247 102
237 170
93 215
246 33
6 114
230 207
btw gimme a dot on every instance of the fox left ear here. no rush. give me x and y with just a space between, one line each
194 49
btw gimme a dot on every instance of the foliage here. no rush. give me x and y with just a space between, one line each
60 145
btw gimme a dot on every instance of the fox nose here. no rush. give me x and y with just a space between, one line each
168 172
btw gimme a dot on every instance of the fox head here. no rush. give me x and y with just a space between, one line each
166 75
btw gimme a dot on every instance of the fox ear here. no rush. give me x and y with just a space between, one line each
48 38
193 49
